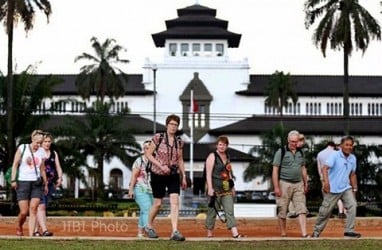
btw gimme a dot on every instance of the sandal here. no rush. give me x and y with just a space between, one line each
47 233
238 236
37 234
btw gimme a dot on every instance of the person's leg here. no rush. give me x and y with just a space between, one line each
174 211
23 193
154 211
299 201
144 201
282 206
23 207
34 202
210 220
173 187
227 202
326 208
351 206
341 209
158 185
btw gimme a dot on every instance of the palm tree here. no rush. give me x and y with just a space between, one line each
29 92
100 76
11 12
279 91
345 23
100 136
262 166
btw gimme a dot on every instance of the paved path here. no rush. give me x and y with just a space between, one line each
193 229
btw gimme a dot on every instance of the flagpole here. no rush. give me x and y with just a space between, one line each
192 136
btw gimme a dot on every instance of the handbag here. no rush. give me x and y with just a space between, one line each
38 182
8 174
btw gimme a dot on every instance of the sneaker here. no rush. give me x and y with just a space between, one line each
140 236
341 216
315 235
177 236
352 234
151 233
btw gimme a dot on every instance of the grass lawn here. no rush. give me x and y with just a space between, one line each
320 244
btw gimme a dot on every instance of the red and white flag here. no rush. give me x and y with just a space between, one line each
194 108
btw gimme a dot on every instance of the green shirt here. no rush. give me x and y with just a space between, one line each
290 166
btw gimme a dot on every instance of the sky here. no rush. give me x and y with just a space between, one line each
273 36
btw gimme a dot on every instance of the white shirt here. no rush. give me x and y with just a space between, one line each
27 171
322 156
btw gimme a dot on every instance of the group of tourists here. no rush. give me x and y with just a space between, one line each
161 168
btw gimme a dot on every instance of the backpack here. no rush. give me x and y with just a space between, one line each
161 136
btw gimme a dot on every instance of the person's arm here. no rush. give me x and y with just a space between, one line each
275 180
149 155
325 181
305 178
133 179
182 170
210 162
15 165
353 182
58 169
43 176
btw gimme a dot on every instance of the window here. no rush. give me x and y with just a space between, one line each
184 49
195 49
219 49
173 49
208 49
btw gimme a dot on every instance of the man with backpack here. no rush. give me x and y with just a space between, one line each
290 182
167 173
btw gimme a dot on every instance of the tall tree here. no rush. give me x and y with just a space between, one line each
279 91
101 76
344 23
100 136
11 12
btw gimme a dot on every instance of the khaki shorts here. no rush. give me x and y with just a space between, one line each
291 192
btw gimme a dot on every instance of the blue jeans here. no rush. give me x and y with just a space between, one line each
144 201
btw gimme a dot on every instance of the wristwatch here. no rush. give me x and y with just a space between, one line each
355 189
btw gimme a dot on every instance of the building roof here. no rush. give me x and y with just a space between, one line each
134 85
309 125
133 122
196 22
198 87
320 85
306 85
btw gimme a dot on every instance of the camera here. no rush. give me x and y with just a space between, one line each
173 169
211 203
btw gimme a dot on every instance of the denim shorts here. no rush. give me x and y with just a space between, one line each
46 198
26 190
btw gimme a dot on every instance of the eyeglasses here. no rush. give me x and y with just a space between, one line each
293 141
173 124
